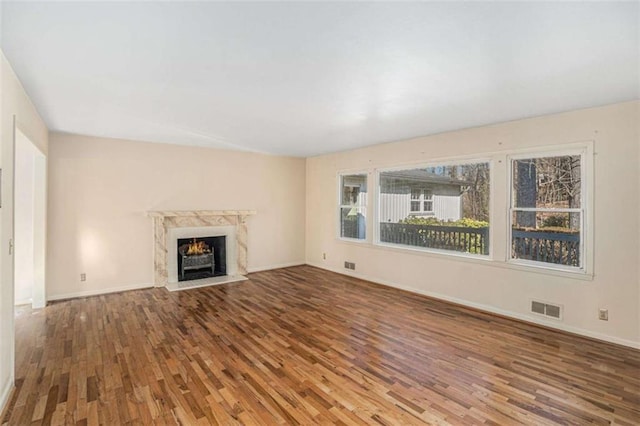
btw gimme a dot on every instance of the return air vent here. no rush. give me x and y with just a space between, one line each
350 265
546 309
537 307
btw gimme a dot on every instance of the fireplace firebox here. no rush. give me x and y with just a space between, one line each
201 257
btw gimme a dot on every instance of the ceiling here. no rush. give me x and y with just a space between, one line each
304 79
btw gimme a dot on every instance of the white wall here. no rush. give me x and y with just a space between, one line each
100 190
492 285
24 223
14 102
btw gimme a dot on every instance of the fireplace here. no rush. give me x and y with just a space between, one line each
219 240
201 257
171 226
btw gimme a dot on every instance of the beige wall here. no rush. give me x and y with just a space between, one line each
14 102
492 285
100 190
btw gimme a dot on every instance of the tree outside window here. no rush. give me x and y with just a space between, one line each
547 210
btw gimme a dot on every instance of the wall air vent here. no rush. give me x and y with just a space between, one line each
547 309
537 307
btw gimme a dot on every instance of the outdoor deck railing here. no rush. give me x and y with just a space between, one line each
350 228
456 238
562 248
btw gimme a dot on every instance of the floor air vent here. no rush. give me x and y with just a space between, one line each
546 309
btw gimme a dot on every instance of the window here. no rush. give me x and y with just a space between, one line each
415 200
427 202
353 205
547 210
421 201
442 207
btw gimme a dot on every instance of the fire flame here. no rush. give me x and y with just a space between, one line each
197 247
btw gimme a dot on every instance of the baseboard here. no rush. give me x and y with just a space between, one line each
281 265
98 292
7 389
487 308
22 302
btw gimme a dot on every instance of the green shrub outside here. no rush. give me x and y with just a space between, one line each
432 221
555 221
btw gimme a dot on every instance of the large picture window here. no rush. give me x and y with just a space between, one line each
441 207
547 210
353 206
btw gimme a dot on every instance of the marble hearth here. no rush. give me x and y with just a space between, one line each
167 225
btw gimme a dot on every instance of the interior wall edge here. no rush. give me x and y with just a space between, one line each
7 391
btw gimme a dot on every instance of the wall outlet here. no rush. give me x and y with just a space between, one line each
350 265
603 314
83 277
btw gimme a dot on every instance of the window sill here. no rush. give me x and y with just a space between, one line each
358 241
548 269
579 275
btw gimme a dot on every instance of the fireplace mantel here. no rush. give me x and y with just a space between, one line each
200 213
164 220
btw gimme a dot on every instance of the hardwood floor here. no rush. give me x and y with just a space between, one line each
306 346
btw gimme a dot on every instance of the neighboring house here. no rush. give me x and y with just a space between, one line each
420 193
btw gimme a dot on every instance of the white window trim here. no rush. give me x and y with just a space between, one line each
338 231
585 151
499 248
422 199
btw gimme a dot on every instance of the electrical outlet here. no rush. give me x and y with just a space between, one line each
603 314
83 277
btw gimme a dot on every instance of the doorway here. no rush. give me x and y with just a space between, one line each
30 182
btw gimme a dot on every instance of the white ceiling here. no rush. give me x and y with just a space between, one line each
308 78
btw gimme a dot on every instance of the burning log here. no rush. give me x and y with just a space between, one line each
195 248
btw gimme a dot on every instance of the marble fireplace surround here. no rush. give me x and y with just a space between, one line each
165 220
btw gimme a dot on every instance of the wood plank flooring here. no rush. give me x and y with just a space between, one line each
306 346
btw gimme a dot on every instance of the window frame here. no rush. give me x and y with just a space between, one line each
413 200
583 151
341 175
422 201
429 199
499 205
